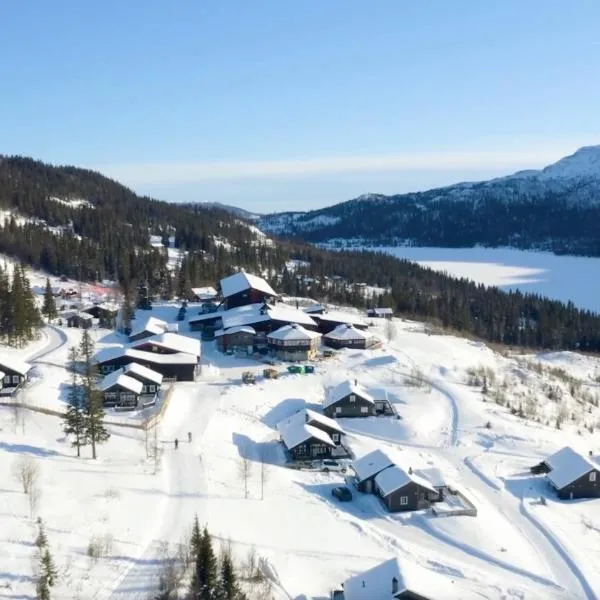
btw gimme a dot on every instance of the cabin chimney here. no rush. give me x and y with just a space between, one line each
356 382
394 586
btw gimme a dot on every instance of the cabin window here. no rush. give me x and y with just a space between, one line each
338 410
364 409
15 378
110 397
7 380
352 397
335 437
403 500
152 389
593 476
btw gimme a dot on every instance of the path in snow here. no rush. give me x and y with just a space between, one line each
56 340
185 493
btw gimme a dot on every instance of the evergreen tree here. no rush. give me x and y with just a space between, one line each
208 573
228 586
41 540
95 431
74 420
47 569
49 306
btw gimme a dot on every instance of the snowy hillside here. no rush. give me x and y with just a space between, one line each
480 417
545 209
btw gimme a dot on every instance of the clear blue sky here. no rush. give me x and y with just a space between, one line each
277 104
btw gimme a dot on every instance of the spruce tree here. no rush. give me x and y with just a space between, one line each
49 570
74 419
49 306
41 540
208 573
95 431
196 555
228 588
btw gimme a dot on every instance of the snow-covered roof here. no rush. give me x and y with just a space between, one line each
311 418
281 312
371 464
395 478
238 282
347 332
434 476
232 330
300 432
379 394
179 358
313 308
293 332
376 583
152 325
205 293
342 390
567 466
381 311
144 372
171 341
85 316
14 364
251 314
342 317
119 378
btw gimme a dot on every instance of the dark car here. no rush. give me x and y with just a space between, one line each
343 494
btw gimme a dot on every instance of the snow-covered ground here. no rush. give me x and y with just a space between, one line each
516 548
564 278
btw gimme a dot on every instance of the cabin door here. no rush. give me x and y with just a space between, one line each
369 486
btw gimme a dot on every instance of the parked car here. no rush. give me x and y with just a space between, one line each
248 377
343 494
326 465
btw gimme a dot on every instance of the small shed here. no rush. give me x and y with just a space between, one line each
169 343
349 399
81 320
243 288
383 405
293 342
380 313
151 326
368 467
236 339
120 390
204 294
402 490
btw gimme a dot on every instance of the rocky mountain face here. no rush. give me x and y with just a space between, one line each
556 208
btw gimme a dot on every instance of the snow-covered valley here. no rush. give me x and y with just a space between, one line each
308 542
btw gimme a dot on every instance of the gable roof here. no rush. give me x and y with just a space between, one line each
433 475
232 330
376 583
293 332
259 312
14 364
171 341
566 466
347 332
143 372
371 464
342 390
179 358
394 478
152 324
310 417
205 292
2 375
342 318
298 433
119 378
239 282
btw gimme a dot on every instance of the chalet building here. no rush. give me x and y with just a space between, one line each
13 374
178 366
380 313
207 323
401 579
349 399
383 405
81 320
306 442
168 343
242 288
294 343
315 419
329 320
105 312
348 336
570 474
152 326
203 294
402 490
237 339
120 390
367 468
151 381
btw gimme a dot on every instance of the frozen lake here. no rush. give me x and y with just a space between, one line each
564 278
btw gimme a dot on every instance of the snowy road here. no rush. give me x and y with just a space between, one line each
56 339
185 490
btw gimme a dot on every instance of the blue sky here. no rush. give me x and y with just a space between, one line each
275 105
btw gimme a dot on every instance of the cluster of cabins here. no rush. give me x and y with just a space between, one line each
103 314
134 373
13 375
250 318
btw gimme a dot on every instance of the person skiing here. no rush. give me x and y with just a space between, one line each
176 443
189 436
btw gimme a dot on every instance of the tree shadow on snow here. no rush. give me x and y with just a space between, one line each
270 452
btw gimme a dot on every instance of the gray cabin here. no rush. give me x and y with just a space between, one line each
120 391
349 399
402 490
367 468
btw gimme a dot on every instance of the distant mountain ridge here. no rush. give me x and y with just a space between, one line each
556 208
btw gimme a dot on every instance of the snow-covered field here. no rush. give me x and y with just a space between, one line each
564 278
516 548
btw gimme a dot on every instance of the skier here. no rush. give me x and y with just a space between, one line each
176 443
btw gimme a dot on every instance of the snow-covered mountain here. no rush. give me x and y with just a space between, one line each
554 208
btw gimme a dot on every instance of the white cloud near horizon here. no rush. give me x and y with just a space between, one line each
190 172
